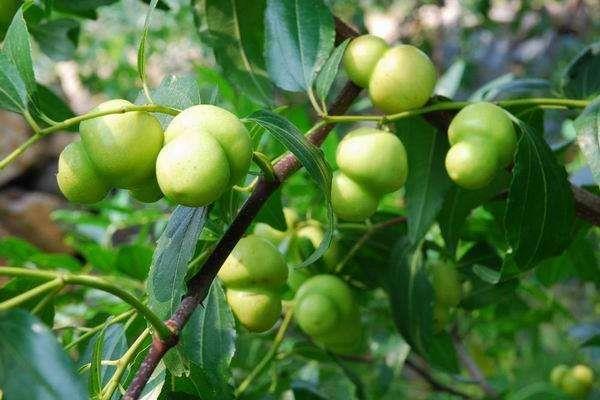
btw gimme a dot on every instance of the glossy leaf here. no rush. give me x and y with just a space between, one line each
311 158
329 71
13 92
32 363
507 86
235 31
587 126
108 344
209 341
299 38
175 248
427 181
17 48
540 211
581 78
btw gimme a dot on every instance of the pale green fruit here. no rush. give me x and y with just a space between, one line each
326 310
351 201
446 284
361 56
77 179
254 262
583 374
578 381
403 79
257 309
122 147
192 170
557 374
149 192
373 158
472 163
223 126
488 121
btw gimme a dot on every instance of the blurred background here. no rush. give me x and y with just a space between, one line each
472 42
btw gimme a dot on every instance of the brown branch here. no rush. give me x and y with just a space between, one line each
199 284
433 381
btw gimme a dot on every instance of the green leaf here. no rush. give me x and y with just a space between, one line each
17 48
46 103
485 294
539 214
174 91
108 344
134 260
57 38
209 341
329 71
427 181
17 286
299 37
272 212
507 86
95 374
449 83
587 126
459 203
13 93
141 55
175 248
235 31
34 366
581 79
311 158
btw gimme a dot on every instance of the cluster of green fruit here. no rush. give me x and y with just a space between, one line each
203 152
254 276
371 163
576 382
448 292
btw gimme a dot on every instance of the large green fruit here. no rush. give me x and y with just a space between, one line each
557 374
373 158
8 9
207 150
472 163
224 127
403 79
351 201
485 120
361 56
326 310
122 147
446 284
77 178
254 274
578 381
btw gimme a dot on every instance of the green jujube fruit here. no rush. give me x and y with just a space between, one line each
446 284
351 201
122 147
472 163
207 150
361 56
326 310
403 79
557 374
254 275
77 178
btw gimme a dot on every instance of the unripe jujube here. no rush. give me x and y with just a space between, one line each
77 177
557 374
446 284
372 163
399 78
576 382
122 147
326 310
483 141
254 274
207 150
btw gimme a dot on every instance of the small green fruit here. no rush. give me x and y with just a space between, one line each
578 381
373 158
254 275
351 201
77 179
403 79
446 284
361 56
326 310
122 147
485 120
472 163
557 374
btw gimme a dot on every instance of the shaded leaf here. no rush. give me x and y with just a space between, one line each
507 86
272 212
449 83
48 104
581 79
108 344
13 93
329 71
486 294
57 38
17 48
299 37
587 126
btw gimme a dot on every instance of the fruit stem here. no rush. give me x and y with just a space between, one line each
269 356
58 279
456 105
40 133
